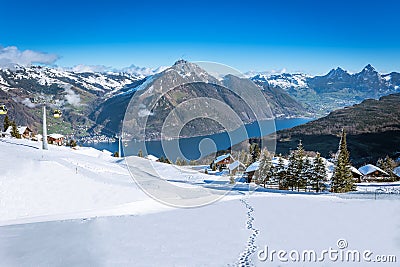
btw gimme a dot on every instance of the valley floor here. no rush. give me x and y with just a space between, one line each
67 207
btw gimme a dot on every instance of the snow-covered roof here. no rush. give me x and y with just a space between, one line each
21 129
353 169
253 167
222 157
275 161
369 168
234 165
56 136
151 157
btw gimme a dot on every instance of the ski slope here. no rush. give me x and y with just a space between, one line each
66 207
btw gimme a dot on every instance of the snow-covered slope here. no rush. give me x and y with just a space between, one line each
92 214
37 183
285 81
46 76
64 183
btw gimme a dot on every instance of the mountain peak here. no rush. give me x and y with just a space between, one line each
369 68
180 61
337 73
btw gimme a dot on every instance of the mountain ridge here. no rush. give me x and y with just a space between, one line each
337 89
372 127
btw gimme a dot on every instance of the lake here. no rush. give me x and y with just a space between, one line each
199 146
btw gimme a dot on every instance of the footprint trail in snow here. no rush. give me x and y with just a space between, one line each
251 247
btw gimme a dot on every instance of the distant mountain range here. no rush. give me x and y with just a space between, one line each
373 129
25 89
95 102
189 81
337 89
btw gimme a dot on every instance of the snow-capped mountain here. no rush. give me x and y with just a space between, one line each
25 89
40 77
285 81
336 89
185 80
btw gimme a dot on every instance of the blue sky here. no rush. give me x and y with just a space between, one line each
309 36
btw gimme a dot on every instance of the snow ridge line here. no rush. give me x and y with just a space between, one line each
251 247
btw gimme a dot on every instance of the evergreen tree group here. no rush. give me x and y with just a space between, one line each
180 162
164 160
300 173
14 130
388 165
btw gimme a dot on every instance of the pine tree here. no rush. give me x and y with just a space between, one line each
7 123
263 172
318 174
14 131
295 168
281 174
180 162
306 174
72 143
387 164
140 153
342 179
273 175
299 157
255 152
291 173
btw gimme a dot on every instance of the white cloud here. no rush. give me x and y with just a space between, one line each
253 73
11 56
25 101
133 69
90 68
71 97
145 113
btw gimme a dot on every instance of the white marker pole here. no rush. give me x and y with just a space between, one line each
119 146
44 142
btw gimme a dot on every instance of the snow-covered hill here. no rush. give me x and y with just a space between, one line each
66 207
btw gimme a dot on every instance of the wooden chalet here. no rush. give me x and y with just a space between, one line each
222 161
357 175
55 139
236 167
250 171
372 173
24 131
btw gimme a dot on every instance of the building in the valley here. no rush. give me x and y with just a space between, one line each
357 175
24 131
55 139
250 171
372 173
236 167
223 161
